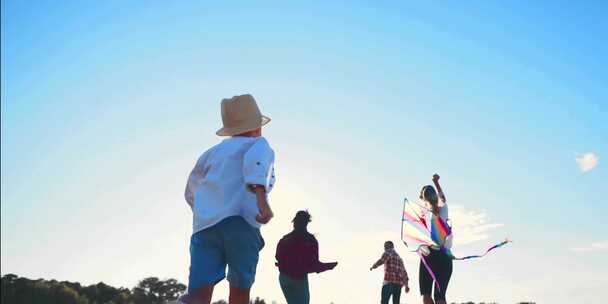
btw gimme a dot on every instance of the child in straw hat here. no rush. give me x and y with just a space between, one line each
227 191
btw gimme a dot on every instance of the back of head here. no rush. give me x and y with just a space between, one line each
301 220
388 245
429 195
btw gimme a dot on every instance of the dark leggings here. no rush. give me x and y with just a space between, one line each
441 264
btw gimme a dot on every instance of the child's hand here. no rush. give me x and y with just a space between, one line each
265 214
435 177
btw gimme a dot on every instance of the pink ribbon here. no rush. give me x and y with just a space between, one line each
428 268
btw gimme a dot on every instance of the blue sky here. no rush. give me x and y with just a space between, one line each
106 106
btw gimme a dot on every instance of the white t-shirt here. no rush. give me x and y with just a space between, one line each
218 186
444 214
443 211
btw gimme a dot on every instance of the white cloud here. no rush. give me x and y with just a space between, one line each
588 161
470 226
593 247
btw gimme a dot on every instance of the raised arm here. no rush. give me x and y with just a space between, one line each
439 190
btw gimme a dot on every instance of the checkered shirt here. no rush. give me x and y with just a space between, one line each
394 270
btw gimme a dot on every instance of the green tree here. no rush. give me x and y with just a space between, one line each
257 301
67 295
17 290
154 291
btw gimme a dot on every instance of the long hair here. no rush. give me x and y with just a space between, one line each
429 195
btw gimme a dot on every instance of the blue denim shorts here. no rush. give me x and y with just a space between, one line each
231 242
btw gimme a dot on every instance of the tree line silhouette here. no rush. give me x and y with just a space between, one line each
152 290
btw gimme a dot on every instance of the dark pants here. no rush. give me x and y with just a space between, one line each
441 264
295 290
388 290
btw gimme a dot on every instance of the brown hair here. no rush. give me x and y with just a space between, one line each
388 245
301 220
429 194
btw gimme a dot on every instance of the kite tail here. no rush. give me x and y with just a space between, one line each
506 241
449 253
429 270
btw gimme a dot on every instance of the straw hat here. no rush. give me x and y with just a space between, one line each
239 115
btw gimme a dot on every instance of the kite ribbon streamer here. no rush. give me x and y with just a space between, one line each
428 268
506 241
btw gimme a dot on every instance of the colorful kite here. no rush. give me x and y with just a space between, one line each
420 228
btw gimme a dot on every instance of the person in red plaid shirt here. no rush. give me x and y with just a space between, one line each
395 275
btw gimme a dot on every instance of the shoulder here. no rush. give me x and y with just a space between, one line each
261 145
219 147
398 257
284 242
260 150
205 156
289 237
393 254
311 238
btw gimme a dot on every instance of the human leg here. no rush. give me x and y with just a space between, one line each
396 293
296 291
242 245
305 291
207 265
444 265
286 288
425 282
238 296
385 294
200 295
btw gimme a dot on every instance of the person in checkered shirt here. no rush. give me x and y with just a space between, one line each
395 275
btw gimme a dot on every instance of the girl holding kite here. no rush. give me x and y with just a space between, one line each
437 259
425 227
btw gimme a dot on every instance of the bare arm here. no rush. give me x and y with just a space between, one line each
378 263
436 182
262 201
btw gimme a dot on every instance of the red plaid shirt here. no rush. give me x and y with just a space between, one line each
394 270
